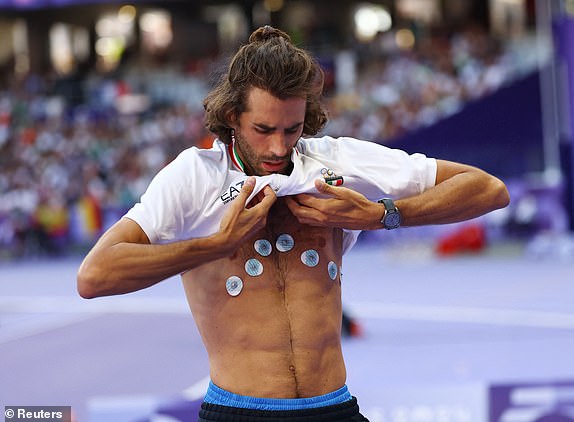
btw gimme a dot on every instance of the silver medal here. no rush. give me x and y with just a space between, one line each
284 243
234 285
263 247
310 257
253 267
332 268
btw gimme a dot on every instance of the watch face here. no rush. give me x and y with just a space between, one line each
393 220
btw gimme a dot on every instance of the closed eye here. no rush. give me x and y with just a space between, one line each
264 130
292 130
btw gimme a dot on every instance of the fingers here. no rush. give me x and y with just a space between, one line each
321 186
242 219
292 204
265 195
246 191
333 191
258 212
247 187
240 200
305 214
268 197
312 201
327 189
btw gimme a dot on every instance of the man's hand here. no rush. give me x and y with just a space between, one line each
242 220
344 208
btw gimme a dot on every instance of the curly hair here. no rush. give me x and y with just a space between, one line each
269 61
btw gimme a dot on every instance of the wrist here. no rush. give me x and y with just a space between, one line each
221 245
391 218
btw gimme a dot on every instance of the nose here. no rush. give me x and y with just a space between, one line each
279 145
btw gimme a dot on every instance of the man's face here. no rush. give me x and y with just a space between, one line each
267 131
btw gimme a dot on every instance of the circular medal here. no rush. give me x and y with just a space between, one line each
253 267
310 257
263 247
234 285
332 268
284 243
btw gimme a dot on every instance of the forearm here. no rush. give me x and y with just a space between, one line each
123 260
461 197
126 267
461 192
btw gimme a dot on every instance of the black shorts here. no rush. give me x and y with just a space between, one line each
342 412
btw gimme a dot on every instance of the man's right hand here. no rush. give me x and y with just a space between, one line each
243 220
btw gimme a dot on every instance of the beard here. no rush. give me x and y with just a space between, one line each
253 162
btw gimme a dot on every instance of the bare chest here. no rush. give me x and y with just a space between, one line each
288 249
286 260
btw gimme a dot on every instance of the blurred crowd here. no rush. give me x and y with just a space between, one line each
398 92
76 153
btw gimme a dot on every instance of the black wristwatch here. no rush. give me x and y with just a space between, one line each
392 218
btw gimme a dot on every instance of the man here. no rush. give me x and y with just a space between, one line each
257 227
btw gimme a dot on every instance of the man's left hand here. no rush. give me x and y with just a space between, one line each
344 208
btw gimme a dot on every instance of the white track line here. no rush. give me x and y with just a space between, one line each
69 310
464 315
49 313
113 304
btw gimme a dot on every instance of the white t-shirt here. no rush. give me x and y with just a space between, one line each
189 196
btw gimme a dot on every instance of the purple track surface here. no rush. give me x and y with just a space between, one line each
437 334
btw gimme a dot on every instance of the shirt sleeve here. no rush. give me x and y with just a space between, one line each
375 170
172 198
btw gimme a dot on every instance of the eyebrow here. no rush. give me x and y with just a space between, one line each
265 127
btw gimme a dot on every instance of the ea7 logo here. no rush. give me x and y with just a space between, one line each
232 192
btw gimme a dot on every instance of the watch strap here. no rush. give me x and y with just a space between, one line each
388 203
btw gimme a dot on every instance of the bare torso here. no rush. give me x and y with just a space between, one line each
280 336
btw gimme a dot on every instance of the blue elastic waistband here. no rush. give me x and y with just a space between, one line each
219 396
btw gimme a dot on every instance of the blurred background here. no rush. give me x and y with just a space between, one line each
472 321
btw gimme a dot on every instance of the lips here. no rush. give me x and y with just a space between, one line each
273 165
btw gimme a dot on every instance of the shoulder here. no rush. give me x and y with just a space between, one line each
193 172
306 144
329 146
208 157
195 161
316 146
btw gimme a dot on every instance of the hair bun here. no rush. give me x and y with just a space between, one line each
266 33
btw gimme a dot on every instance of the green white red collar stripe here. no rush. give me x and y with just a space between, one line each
235 157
